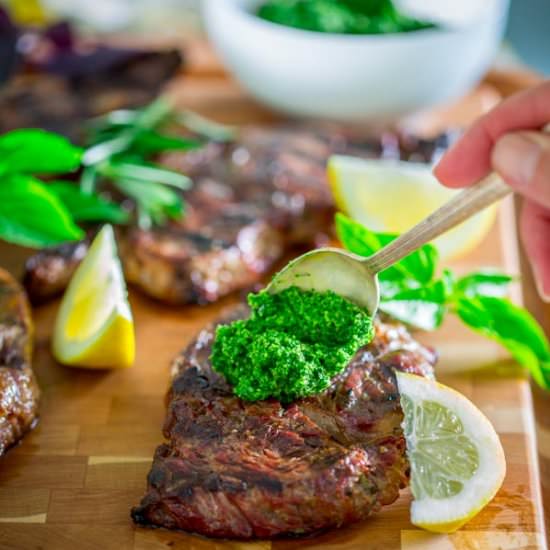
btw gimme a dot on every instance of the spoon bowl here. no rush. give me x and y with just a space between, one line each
334 269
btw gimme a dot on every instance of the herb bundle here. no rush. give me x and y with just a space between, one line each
122 143
412 292
39 209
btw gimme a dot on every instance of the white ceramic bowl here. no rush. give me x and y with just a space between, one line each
352 77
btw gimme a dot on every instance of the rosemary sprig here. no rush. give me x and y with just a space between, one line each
122 144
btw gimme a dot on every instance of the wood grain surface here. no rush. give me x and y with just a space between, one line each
71 483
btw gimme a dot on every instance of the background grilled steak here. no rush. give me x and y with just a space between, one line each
18 390
56 80
48 272
252 201
254 470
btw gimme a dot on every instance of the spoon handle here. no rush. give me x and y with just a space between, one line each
458 209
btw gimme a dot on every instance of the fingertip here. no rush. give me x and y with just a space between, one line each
452 171
465 163
445 171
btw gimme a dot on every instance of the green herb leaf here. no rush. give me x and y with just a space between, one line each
144 142
358 239
423 308
88 180
119 117
32 215
513 327
484 283
124 142
37 152
154 114
101 152
144 173
85 207
155 201
151 142
207 128
419 266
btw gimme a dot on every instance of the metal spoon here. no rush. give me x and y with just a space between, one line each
355 277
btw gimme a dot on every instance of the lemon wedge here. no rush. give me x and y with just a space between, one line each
457 461
94 326
390 196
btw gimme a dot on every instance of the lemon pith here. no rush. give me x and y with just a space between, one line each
94 326
457 460
390 196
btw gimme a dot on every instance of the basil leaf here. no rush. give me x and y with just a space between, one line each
449 281
31 214
486 283
85 207
38 152
419 266
358 239
423 308
513 327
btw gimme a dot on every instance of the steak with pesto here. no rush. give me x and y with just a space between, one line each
238 469
292 345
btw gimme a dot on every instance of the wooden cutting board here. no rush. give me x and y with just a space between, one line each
72 481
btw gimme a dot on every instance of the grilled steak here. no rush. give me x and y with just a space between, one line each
18 390
60 80
48 272
251 202
254 470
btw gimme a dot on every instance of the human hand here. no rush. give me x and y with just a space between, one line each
509 140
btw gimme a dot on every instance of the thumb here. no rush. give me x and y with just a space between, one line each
523 161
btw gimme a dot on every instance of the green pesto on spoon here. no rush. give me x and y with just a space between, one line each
355 277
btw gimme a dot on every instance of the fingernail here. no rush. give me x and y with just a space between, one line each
542 286
516 157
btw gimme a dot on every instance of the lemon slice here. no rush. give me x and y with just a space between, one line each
390 196
94 326
457 461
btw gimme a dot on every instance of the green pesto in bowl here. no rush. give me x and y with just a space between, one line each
341 16
292 345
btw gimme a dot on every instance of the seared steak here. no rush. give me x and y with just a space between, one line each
48 272
247 470
18 390
60 80
251 202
